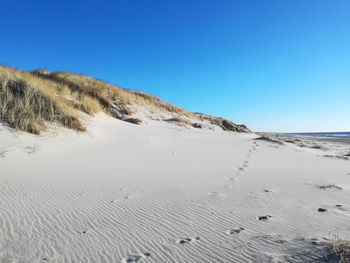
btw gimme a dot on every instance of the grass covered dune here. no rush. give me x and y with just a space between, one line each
30 99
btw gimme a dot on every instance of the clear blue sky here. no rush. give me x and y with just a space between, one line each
280 65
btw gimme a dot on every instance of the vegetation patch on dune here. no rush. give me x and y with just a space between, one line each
341 249
180 120
269 139
28 100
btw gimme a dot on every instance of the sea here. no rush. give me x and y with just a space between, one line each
332 134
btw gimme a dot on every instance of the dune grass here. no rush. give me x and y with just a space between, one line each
180 120
269 139
29 100
341 249
106 94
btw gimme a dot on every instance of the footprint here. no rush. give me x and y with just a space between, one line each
3 152
184 241
263 218
136 258
340 207
234 179
31 149
234 231
187 240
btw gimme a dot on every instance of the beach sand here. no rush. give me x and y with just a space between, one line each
167 193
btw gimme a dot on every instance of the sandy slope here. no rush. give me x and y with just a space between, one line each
164 193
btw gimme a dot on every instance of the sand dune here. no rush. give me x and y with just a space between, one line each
166 193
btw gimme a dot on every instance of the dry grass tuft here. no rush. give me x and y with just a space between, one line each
97 95
226 125
27 102
180 120
341 249
269 139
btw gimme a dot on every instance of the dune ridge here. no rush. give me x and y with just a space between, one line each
31 99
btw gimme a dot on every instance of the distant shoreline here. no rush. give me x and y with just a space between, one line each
333 137
327 134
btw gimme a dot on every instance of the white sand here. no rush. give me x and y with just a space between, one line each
180 194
